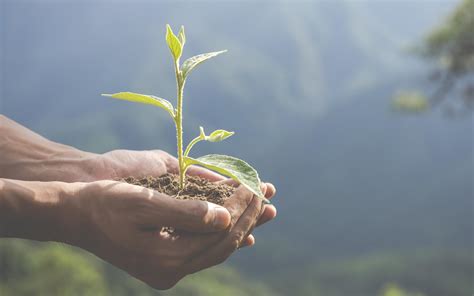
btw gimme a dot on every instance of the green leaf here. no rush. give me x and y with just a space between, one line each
194 61
219 135
182 36
144 99
232 167
174 44
215 136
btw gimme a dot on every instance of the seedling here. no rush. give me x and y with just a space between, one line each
232 167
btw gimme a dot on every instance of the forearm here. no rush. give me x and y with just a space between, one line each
25 155
37 210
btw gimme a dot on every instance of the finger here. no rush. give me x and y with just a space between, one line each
269 213
258 218
271 190
191 215
236 205
221 251
230 182
263 187
198 171
248 241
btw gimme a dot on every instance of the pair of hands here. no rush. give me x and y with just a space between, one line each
117 221
121 222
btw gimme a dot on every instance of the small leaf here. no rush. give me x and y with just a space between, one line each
174 44
144 99
194 61
219 135
182 36
232 167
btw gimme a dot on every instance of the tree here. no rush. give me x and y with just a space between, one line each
451 46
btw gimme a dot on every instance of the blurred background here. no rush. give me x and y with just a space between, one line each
360 112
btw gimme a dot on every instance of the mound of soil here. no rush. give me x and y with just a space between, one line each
195 188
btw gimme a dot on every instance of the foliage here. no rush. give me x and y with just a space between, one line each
219 281
452 46
413 273
394 290
51 269
453 42
47 270
232 167
412 101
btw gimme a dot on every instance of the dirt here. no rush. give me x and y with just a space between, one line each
195 188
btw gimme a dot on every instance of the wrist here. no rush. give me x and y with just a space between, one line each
27 156
36 210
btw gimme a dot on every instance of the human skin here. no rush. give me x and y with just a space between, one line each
53 192
25 155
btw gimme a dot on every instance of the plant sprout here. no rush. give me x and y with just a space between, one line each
232 167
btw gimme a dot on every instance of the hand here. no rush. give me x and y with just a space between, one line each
119 223
123 163
25 155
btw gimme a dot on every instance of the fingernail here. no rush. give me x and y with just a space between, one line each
221 217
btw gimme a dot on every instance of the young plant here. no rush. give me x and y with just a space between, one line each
232 167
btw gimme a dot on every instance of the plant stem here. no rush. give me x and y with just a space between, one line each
179 125
191 144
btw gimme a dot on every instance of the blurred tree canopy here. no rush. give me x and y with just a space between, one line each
31 268
394 290
452 47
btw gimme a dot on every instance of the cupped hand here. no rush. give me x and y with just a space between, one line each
118 164
122 223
